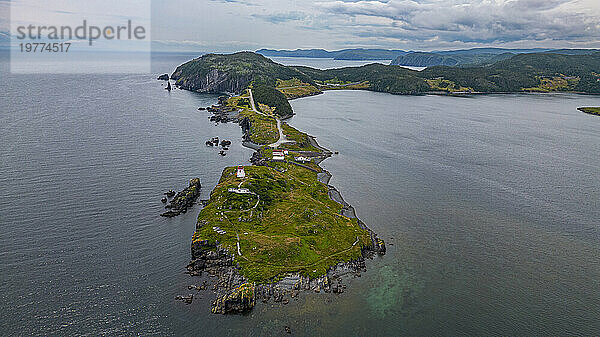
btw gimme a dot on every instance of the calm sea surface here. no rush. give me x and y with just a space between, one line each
489 205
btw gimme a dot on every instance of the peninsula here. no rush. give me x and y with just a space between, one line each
274 228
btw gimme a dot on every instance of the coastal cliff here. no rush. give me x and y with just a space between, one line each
214 73
213 81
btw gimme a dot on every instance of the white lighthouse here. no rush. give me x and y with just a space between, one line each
240 172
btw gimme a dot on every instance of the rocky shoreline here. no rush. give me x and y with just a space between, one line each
234 294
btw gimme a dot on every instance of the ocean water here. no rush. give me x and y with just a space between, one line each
489 206
324 63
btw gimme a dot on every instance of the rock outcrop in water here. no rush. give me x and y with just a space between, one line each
163 77
238 300
184 199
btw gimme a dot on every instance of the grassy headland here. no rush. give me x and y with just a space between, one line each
288 225
286 222
590 110
263 129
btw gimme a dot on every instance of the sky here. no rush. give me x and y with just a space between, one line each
233 25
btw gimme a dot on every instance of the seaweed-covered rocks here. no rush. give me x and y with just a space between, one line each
184 199
238 300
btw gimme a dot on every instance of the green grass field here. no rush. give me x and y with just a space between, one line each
440 84
294 88
290 225
555 83
263 129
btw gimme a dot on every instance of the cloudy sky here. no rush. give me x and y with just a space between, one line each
230 25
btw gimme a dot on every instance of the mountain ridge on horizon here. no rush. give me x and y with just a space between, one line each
457 57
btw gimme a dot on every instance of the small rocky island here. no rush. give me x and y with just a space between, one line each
275 228
182 200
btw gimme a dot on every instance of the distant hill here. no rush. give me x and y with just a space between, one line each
461 57
425 59
573 51
529 72
537 72
345 54
471 57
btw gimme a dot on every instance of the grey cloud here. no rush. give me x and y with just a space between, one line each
473 21
282 17
241 2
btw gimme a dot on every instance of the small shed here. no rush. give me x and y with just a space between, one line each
278 155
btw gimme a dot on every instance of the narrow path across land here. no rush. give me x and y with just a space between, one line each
282 138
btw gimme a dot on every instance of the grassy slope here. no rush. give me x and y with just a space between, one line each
263 129
295 227
295 88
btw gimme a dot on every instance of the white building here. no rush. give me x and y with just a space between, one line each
278 155
240 172
239 190
302 159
